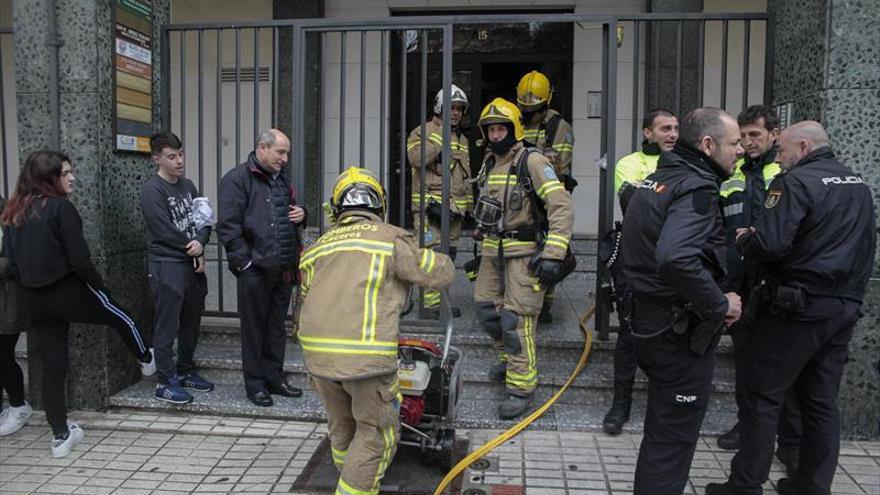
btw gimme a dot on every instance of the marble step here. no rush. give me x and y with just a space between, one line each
221 363
230 400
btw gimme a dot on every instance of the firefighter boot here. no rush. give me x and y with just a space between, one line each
498 372
619 412
514 405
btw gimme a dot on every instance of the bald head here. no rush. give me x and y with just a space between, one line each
799 140
272 148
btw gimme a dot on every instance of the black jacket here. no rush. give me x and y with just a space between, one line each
167 210
246 224
49 245
673 246
741 208
818 228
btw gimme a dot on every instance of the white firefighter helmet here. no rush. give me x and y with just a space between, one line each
458 96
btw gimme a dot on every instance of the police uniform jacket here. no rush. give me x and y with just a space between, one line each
554 136
498 180
742 200
461 196
817 229
633 169
673 234
355 282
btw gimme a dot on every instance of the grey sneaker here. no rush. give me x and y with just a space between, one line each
61 446
13 418
149 368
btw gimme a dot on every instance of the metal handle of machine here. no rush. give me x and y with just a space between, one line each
446 318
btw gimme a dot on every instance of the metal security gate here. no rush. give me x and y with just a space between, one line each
8 118
331 86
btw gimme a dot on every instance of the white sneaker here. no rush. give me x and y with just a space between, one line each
62 447
149 369
14 418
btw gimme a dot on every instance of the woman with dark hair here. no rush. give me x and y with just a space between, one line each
49 256
13 321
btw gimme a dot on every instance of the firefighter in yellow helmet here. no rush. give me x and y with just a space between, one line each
355 280
546 130
461 198
519 260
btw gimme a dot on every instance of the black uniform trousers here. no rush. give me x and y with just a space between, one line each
53 309
806 351
179 299
679 383
263 299
789 432
624 353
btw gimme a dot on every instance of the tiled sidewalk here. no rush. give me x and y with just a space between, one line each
156 454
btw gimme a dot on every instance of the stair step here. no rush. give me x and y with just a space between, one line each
222 363
230 400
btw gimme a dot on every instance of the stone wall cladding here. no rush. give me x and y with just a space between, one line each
854 54
799 55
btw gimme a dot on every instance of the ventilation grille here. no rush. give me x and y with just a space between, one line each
245 74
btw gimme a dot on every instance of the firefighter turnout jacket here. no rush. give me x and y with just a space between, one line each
355 282
553 136
817 230
632 169
520 229
461 198
673 234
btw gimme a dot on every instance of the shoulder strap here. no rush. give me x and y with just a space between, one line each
551 128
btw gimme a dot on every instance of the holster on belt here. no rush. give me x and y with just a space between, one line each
704 335
789 299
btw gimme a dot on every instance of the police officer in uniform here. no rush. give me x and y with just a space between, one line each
817 235
517 187
546 130
461 197
660 130
355 281
673 260
742 201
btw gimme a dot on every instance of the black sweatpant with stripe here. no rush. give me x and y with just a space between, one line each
54 308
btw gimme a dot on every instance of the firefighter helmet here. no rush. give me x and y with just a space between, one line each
501 111
357 188
533 91
458 96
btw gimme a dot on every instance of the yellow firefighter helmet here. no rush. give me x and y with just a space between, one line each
358 188
533 91
501 111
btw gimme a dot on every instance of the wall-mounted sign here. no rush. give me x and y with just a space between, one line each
133 84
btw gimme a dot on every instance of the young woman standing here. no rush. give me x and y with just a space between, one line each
49 256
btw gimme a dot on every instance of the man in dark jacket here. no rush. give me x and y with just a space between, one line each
742 201
817 234
258 226
673 259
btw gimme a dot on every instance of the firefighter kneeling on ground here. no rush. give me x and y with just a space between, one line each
517 187
355 281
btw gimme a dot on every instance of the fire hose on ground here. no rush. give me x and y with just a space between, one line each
517 428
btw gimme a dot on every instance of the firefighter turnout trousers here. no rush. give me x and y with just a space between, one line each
508 311
432 235
362 417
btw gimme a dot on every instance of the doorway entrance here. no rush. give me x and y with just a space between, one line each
488 61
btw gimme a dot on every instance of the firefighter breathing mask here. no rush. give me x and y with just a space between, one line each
487 213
